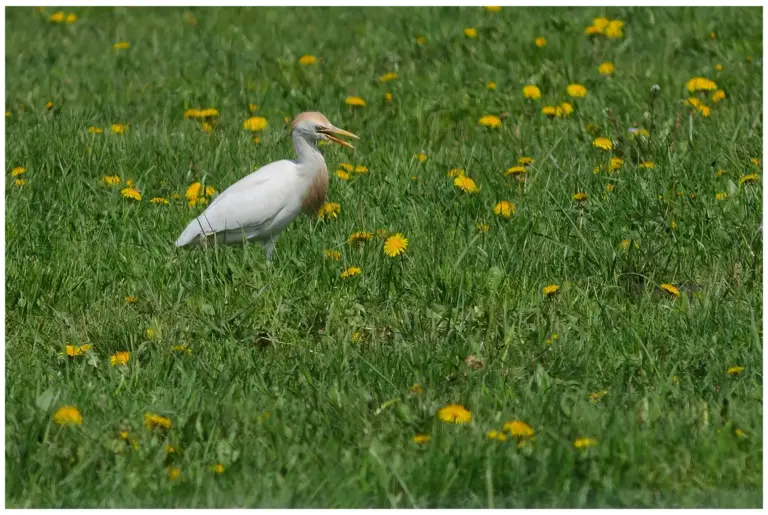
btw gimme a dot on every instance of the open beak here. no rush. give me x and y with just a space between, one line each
329 131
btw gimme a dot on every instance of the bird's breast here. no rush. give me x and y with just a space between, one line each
316 192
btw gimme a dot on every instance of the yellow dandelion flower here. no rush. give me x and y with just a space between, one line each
75 350
721 196
421 439
182 349
94 130
306 60
518 429
606 68
455 172
130 299
206 127
465 184
734 370
119 128
159 200
579 197
496 435
671 289
614 29
647 164
347 166
131 193
67 416
564 109
352 271
525 161
700 84
359 237
718 95
341 174
601 23
483 227
592 30
19 170
57 17
329 210
550 289
602 143
490 85
719 67
492 8
643 133
111 180
421 157
615 163
705 111
489 120
470 32
748 179
388 77
19 182
173 473
720 173
532 92
515 170
333 255
739 433
152 421
596 396
150 333
119 358
355 102
576 90
416 388
454 414
255 124
755 161
504 208
550 111
388 96
395 245
252 108
583 443
49 105
121 45
421 40
540 41
217 468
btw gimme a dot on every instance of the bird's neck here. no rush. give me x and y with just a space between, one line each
306 151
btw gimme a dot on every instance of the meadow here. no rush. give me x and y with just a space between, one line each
574 322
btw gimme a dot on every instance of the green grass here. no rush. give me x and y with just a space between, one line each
341 418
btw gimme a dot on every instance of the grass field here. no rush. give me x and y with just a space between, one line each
326 391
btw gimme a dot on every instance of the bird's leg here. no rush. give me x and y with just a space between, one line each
270 248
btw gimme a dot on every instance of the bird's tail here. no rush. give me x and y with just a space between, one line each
190 235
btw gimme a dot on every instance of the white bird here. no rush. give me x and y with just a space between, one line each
260 205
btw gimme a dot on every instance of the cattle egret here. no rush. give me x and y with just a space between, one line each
260 205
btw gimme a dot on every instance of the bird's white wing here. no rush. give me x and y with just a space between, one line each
249 206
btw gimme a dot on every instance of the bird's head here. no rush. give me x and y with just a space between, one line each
315 126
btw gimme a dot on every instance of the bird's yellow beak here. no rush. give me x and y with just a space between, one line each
329 131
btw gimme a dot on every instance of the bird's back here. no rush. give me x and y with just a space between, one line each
255 207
